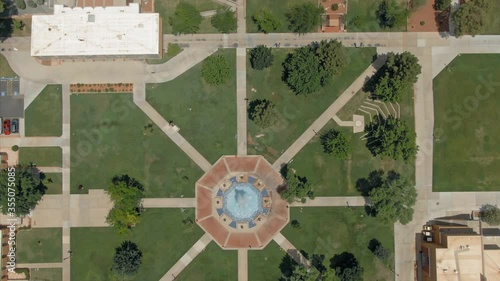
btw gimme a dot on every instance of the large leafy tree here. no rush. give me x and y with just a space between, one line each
186 19
391 15
347 267
332 55
262 112
391 137
336 144
491 214
126 194
224 20
266 21
261 57
471 17
215 70
127 260
302 273
394 199
296 187
22 182
396 77
302 71
304 18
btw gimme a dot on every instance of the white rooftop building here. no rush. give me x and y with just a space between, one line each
98 32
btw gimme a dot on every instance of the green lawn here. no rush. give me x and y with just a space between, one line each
54 187
277 8
264 264
365 11
295 113
331 231
43 117
166 8
39 245
492 22
159 236
46 274
172 51
205 114
466 102
5 70
41 156
108 139
213 264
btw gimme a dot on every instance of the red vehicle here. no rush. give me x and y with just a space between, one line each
6 127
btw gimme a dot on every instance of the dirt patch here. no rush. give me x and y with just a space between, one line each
426 19
102 88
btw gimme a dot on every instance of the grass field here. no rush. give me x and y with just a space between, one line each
213 264
166 8
39 245
264 264
41 156
492 22
295 113
109 138
365 11
159 236
54 187
331 231
205 114
5 70
277 8
43 117
46 274
466 102
172 51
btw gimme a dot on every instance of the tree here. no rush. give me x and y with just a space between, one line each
262 113
224 20
391 15
186 19
394 200
215 70
336 144
20 190
491 214
442 5
332 56
302 71
6 28
296 188
266 22
21 4
347 267
391 137
395 78
127 260
470 17
378 250
126 194
304 18
302 273
261 57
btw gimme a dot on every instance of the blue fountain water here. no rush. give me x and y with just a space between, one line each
242 202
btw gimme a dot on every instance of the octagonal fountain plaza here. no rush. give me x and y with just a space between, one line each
237 202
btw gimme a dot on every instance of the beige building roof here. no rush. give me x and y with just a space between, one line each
99 31
461 260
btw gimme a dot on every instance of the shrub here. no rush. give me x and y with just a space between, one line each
335 7
40 2
215 70
15 148
442 5
32 4
261 57
224 21
422 22
491 214
20 4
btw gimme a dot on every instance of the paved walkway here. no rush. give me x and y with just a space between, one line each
139 100
243 265
319 123
49 169
66 197
40 265
339 201
169 202
30 90
186 259
290 249
241 99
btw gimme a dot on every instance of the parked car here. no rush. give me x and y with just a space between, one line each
15 126
6 127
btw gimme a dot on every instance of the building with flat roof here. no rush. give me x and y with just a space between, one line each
101 32
458 253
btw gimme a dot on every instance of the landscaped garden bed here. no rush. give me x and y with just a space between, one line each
102 88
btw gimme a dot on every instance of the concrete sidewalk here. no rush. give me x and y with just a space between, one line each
169 202
342 201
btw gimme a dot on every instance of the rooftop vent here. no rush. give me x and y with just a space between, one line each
91 18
